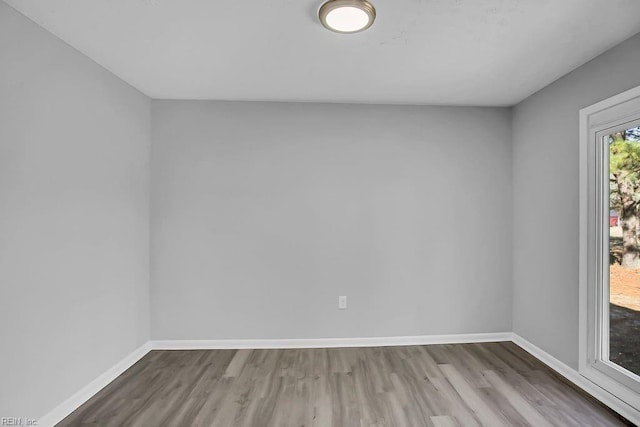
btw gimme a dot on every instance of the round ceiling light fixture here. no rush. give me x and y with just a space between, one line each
347 16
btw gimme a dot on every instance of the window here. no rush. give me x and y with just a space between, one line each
624 248
610 245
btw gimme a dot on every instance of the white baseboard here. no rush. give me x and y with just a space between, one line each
329 342
75 401
574 376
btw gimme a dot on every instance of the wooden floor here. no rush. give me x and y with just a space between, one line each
490 384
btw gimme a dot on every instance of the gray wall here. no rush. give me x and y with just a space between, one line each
263 213
545 165
74 146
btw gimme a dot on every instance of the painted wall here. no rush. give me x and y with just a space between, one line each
74 232
546 174
264 213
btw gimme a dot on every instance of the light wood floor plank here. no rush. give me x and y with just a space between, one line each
526 410
486 414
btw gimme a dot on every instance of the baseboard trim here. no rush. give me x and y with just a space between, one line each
574 376
74 402
329 342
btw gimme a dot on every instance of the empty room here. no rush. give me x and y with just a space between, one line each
320 213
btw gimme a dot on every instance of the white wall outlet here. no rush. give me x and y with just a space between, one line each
342 302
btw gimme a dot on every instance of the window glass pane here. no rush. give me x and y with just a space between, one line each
624 249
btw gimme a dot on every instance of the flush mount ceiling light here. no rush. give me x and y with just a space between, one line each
347 16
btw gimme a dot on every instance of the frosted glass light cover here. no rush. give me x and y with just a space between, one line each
347 16
347 19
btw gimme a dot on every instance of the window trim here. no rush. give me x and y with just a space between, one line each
597 121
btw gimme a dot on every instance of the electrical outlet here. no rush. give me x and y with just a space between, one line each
342 302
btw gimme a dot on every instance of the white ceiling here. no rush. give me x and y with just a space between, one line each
458 52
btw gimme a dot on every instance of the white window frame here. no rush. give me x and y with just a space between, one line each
597 122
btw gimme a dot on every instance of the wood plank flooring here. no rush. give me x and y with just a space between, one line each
489 384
